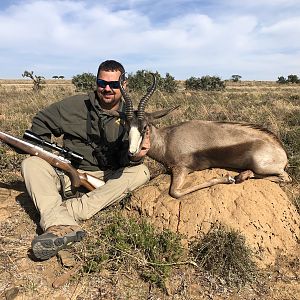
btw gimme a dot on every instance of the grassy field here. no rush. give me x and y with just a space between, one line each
273 106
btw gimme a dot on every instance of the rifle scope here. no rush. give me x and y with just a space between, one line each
66 152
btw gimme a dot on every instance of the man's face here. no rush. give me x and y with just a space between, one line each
109 97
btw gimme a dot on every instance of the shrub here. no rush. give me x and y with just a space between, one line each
193 83
37 80
134 243
224 254
282 80
142 79
294 97
206 83
290 79
169 84
293 79
84 82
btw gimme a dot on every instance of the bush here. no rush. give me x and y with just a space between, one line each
132 242
282 80
169 84
84 82
223 253
290 79
293 79
37 80
142 79
206 83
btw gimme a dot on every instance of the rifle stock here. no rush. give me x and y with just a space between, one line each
77 179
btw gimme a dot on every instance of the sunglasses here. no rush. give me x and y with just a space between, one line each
112 84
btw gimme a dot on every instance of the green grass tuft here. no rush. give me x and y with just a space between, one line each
136 244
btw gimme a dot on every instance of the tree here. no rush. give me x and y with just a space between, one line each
290 79
293 79
142 79
84 82
235 78
37 80
206 83
282 80
55 77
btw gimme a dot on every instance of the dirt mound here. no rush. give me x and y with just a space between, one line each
259 209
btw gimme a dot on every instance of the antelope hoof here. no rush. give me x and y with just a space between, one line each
230 179
243 176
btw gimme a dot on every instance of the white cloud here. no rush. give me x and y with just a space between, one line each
290 27
74 36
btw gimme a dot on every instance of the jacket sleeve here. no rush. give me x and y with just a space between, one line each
48 121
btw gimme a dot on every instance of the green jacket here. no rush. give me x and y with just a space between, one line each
103 143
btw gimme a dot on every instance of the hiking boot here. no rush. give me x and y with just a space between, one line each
54 239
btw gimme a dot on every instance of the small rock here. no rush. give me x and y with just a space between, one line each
12 293
67 259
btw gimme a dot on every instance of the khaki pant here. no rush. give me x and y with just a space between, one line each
43 185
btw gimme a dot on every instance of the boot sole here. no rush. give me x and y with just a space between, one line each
48 244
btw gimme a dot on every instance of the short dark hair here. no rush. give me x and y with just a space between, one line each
110 65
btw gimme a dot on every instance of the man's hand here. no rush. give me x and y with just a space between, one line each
144 148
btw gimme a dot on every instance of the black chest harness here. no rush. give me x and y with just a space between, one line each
106 152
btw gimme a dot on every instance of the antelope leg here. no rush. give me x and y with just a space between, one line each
178 176
284 177
244 176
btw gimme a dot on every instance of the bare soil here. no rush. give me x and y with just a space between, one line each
24 278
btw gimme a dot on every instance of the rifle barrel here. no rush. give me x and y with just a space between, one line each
64 151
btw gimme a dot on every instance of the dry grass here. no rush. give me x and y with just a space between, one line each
273 106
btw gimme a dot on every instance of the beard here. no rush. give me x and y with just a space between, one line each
108 99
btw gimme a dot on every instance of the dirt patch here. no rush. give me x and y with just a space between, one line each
24 278
259 209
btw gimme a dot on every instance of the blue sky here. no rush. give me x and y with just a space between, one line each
258 40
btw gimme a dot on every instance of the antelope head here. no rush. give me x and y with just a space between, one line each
138 120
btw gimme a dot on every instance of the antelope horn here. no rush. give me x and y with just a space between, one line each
143 102
128 101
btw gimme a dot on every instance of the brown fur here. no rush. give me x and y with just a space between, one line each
198 145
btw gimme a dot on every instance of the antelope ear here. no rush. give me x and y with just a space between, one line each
160 113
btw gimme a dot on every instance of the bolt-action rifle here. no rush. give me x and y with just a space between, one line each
62 162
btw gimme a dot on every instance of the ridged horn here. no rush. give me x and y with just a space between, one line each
144 100
128 101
